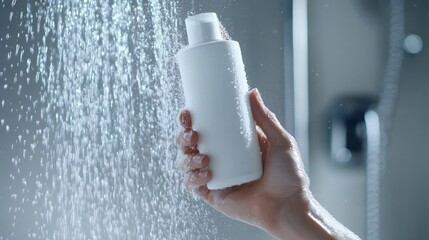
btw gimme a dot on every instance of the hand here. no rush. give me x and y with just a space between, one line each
282 185
280 202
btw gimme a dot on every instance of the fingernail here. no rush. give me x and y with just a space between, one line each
198 159
183 119
203 174
258 96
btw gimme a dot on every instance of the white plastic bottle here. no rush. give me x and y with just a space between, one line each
216 93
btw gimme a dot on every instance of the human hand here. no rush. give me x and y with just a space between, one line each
282 185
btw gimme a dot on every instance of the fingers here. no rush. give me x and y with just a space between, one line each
194 162
263 142
185 119
195 167
204 193
197 178
188 138
188 141
190 150
276 134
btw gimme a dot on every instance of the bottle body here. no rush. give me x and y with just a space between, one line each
216 93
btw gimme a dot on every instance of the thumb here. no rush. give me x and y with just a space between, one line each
268 122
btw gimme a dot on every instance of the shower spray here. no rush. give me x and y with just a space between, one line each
216 94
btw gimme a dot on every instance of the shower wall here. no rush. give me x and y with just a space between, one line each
348 43
12 130
404 178
346 57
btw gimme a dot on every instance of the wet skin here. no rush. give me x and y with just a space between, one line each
279 200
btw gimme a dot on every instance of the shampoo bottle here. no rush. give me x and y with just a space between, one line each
216 94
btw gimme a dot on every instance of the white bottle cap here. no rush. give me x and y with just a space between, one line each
203 27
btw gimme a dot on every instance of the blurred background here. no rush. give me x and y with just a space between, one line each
348 78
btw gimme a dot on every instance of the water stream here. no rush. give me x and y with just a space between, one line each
94 92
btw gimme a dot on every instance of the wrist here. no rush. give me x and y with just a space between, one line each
290 216
293 218
275 215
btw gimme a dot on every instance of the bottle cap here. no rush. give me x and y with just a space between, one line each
203 27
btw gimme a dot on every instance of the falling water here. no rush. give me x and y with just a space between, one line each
99 92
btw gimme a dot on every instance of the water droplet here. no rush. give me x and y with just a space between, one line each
104 120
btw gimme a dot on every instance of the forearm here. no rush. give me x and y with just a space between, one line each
303 218
336 229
